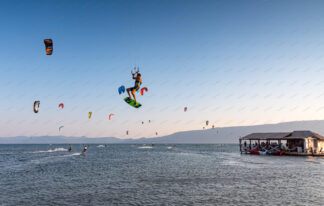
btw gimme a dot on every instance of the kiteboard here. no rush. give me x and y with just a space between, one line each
131 102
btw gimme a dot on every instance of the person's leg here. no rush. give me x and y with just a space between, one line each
128 91
133 92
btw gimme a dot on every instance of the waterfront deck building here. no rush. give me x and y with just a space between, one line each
290 143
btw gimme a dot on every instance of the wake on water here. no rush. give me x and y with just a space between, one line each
70 155
55 157
145 147
60 149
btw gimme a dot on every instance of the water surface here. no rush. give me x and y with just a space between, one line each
141 175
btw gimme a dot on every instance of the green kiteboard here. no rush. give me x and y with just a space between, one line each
131 102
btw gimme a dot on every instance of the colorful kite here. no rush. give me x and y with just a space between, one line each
48 46
61 105
36 106
121 89
143 89
111 116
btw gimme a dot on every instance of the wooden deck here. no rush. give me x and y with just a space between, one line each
304 154
293 154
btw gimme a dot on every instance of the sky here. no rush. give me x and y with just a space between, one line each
234 63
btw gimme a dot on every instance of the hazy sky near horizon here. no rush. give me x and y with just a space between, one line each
230 62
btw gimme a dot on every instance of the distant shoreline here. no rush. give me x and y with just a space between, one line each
223 135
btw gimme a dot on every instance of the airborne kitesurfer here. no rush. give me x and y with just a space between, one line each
138 82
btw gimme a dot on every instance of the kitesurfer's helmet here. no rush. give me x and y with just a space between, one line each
139 74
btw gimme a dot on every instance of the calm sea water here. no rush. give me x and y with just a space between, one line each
136 175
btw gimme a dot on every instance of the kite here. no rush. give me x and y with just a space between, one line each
111 115
48 46
121 89
60 128
127 132
143 89
36 106
89 115
207 122
185 109
61 105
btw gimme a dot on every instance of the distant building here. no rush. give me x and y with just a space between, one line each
288 143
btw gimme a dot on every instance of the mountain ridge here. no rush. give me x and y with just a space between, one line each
207 136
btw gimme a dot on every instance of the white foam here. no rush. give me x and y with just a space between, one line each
60 149
101 146
145 147
70 155
55 157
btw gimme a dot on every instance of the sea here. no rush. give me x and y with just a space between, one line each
126 174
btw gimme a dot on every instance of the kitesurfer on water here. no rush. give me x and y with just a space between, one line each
138 82
84 149
70 148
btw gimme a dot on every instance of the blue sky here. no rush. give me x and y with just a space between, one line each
230 62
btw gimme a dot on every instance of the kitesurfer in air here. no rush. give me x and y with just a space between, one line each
138 82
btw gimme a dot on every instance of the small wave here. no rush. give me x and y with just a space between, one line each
70 155
50 150
145 147
55 157
314 162
101 146
8 153
256 163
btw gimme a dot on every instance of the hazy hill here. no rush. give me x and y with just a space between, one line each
231 134
217 135
57 140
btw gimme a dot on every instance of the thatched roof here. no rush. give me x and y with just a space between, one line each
303 134
282 135
265 136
